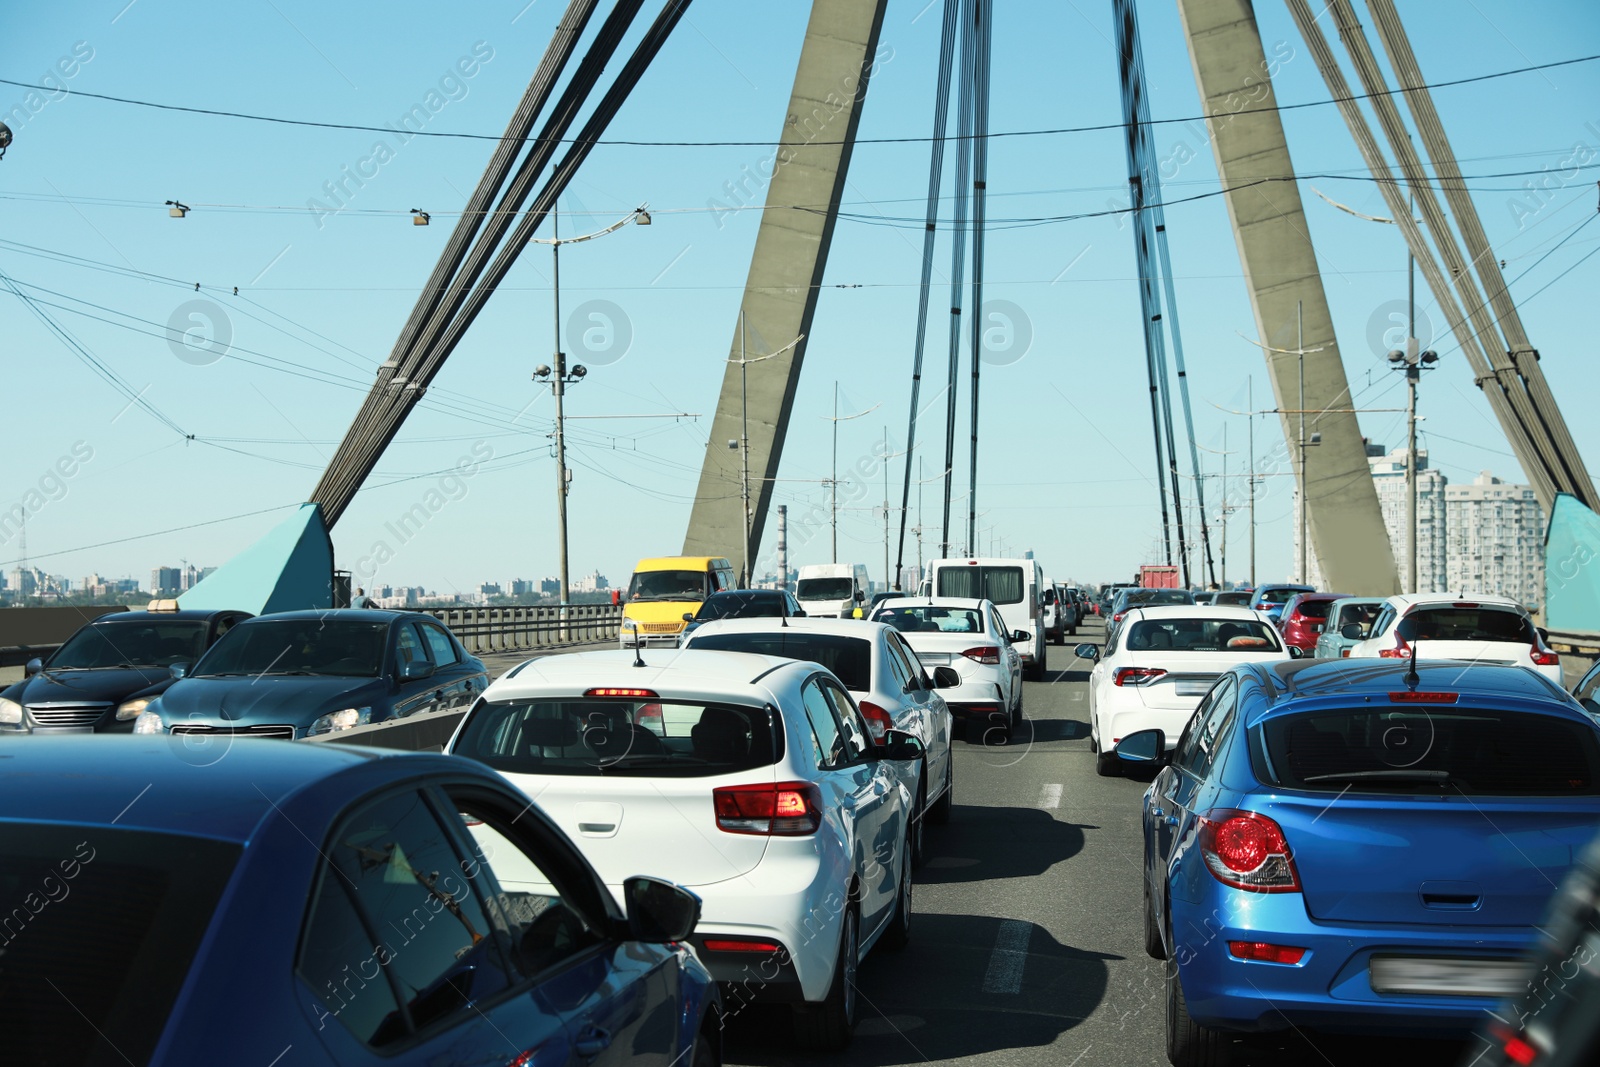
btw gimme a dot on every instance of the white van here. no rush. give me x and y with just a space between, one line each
832 590
1015 586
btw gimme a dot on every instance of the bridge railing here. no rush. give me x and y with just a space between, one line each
513 629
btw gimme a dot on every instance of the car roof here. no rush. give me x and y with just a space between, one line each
1311 598
337 615
1487 600
181 615
158 783
728 594
689 670
935 602
861 628
1237 612
1290 683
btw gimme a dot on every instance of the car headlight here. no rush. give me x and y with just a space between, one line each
343 719
148 722
10 712
131 709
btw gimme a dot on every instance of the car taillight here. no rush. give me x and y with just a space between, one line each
1136 675
989 654
776 809
879 721
1247 851
1543 657
1118 616
1401 650
1261 950
729 944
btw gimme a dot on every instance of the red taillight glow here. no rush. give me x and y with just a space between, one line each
879 721
1247 851
1260 950
725 945
989 654
1118 616
1136 675
1520 1052
1424 698
1401 650
627 694
1543 657
778 809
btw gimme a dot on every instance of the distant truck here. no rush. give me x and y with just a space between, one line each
832 589
1158 576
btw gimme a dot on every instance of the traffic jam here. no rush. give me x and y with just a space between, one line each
1372 817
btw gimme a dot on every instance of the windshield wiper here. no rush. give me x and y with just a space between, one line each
1397 775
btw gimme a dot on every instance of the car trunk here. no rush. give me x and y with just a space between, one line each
942 649
1478 861
1190 675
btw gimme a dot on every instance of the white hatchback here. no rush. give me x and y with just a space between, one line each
751 780
969 636
1476 627
888 682
1158 664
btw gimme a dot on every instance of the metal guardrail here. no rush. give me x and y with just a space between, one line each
1575 642
484 630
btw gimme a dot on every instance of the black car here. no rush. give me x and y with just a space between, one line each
304 673
104 675
743 604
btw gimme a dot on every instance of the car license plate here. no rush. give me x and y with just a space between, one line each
1193 687
1454 977
934 659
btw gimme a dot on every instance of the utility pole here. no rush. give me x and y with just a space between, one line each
833 480
1250 404
1300 345
744 442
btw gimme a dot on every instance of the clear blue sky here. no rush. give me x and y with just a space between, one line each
1066 463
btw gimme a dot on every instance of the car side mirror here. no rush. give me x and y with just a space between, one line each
1352 632
1087 651
1544 635
688 616
860 596
1296 652
1144 746
1019 637
658 911
35 665
901 747
412 669
178 670
799 614
946 678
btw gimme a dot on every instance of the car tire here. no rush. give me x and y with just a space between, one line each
1106 764
827 1026
1035 671
915 851
1188 1043
1155 946
944 807
897 935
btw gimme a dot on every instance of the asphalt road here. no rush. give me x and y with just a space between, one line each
1026 944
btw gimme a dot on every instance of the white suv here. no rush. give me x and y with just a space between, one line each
1466 626
751 780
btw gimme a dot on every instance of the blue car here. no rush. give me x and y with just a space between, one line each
1335 846
1272 598
306 673
352 905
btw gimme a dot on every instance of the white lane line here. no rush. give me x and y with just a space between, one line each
1008 958
1050 796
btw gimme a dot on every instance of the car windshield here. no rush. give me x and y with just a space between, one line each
998 585
1202 635
132 644
849 658
824 588
740 606
1443 748
930 619
1358 614
667 585
1467 623
336 647
112 921
653 739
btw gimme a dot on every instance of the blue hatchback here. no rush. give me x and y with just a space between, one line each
353 905
1337 846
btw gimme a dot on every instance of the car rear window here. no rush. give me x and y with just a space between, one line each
932 620
740 606
824 588
653 739
1313 609
1358 614
1450 623
849 658
1441 749
100 928
1202 635
1002 585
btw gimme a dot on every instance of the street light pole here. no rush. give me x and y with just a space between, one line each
744 444
1413 364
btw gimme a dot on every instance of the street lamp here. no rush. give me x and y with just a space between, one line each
1413 364
560 377
743 443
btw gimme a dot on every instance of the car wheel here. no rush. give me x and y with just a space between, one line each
1035 671
1154 945
1188 1043
898 933
1106 764
919 818
945 805
826 1027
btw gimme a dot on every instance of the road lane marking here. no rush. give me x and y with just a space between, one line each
1008 958
1050 796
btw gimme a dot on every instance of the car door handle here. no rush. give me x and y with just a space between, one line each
592 1041
1172 820
1156 813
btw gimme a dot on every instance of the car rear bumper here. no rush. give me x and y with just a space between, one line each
1330 988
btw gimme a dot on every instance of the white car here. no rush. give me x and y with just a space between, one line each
1472 626
1160 662
889 684
970 636
750 780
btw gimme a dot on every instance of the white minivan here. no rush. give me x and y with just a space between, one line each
832 590
1014 586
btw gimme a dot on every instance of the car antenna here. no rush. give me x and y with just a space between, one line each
638 642
1411 679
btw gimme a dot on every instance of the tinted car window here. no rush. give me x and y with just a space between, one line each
1448 623
440 644
739 605
338 647
849 659
825 728
110 919
932 619
336 947
1313 609
133 644
1201 635
1232 597
618 737
1002 585
824 588
1442 749
1358 614
408 644
667 585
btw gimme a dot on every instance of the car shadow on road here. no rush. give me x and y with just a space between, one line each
985 843
953 992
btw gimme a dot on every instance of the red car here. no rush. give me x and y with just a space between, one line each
1303 618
